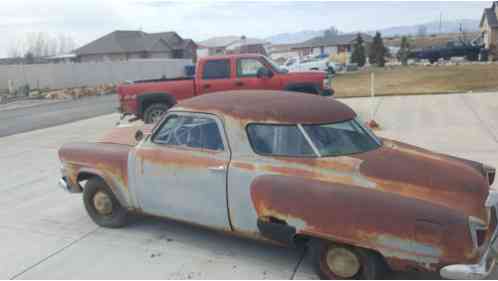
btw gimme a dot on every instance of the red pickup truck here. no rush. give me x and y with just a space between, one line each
150 99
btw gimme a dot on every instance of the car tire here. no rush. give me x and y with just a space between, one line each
351 263
153 113
102 206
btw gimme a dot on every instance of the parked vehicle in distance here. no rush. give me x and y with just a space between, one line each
150 99
450 50
250 164
307 64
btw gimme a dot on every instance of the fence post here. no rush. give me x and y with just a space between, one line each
372 95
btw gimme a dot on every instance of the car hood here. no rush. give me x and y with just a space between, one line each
124 135
418 173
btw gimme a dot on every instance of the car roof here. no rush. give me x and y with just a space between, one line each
270 107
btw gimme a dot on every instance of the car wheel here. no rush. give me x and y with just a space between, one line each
155 112
335 261
102 206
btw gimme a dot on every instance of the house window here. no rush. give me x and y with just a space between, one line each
177 54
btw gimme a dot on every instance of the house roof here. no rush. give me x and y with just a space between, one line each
342 39
129 41
219 42
225 41
490 15
246 42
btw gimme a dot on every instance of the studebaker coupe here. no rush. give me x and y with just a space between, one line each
295 169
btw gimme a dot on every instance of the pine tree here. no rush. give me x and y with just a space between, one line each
358 55
377 52
404 51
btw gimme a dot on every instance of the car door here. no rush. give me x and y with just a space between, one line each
215 76
182 170
247 78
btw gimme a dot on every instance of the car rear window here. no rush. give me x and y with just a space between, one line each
216 69
321 140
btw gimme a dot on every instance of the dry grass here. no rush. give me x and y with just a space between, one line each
429 41
416 80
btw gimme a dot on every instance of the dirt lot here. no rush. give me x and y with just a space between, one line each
419 79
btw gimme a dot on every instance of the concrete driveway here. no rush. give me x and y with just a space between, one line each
46 233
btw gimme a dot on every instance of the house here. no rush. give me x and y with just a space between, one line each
232 45
123 45
329 45
281 52
489 26
63 58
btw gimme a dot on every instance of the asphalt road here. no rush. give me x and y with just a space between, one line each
19 120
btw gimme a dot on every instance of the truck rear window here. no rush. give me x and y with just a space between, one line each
216 69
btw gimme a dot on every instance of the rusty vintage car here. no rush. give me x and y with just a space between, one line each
300 170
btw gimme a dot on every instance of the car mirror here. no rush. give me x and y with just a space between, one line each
139 135
264 72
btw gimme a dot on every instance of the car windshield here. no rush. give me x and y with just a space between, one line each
343 138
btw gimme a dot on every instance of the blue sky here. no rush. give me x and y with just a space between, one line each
84 20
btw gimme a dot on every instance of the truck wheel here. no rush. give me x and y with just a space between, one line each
336 261
102 206
154 112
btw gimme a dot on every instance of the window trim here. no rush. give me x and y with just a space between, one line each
237 64
279 155
211 60
215 118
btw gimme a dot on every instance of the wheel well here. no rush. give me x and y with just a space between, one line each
305 240
84 176
146 100
301 240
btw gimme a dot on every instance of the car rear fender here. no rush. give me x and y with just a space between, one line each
353 215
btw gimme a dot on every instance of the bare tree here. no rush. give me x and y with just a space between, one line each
41 44
331 32
422 31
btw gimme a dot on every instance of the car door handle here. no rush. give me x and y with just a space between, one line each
206 86
217 168
239 83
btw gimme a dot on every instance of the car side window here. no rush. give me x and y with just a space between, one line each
191 132
216 69
248 67
278 140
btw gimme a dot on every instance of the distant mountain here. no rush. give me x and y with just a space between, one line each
294 37
468 25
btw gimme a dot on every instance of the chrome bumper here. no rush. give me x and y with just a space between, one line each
63 184
475 271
